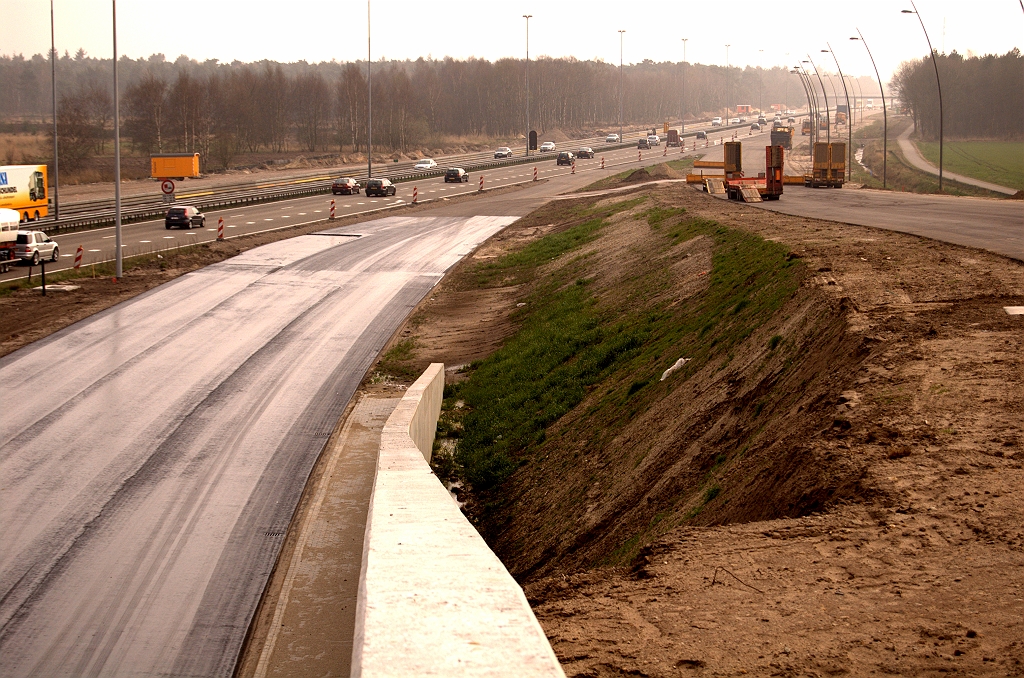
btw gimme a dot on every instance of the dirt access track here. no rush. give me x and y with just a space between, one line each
870 521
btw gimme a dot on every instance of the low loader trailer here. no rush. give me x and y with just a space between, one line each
828 169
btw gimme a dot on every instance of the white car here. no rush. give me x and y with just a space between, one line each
654 140
547 147
425 164
612 139
734 121
33 246
716 122
503 152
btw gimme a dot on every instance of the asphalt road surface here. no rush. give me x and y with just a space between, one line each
991 224
151 456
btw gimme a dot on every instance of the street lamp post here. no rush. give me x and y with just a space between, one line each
828 118
815 111
621 33
938 84
849 117
369 100
682 96
527 17
811 107
53 92
885 111
118 268
760 80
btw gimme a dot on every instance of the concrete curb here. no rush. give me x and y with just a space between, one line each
433 598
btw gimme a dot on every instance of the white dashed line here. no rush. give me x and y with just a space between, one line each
95 250
109 236
250 223
166 237
232 226
139 241
269 219
302 214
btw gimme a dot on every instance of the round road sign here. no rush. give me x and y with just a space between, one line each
167 186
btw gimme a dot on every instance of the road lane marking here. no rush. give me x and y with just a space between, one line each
166 237
269 219
302 214
65 256
232 226
95 250
109 236
317 211
250 223
139 241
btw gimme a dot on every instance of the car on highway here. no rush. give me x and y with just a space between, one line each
611 139
791 120
743 120
455 175
585 152
345 186
425 164
643 142
734 121
755 127
716 122
547 147
565 158
185 216
34 246
654 139
380 187
503 152
701 134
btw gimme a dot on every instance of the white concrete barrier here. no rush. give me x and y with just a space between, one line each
434 600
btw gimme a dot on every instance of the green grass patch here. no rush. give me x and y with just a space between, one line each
568 343
999 162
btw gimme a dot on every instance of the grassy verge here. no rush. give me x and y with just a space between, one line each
999 162
671 169
573 341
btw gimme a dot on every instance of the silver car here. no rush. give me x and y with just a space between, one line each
34 246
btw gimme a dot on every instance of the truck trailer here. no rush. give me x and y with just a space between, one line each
23 188
673 138
829 165
783 136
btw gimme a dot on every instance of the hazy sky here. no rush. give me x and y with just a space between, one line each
322 30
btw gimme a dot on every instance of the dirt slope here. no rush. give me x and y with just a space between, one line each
846 501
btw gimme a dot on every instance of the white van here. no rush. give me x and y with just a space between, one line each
716 122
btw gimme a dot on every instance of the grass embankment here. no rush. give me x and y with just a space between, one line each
900 174
998 162
576 452
673 169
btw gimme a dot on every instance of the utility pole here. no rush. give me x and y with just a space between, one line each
53 92
728 85
682 107
760 80
527 17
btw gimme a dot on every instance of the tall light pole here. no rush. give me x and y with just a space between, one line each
369 100
53 92
849 117
885 111
527 17
682 96
728 87
812 104
828 118
760 79
117 157
938 84
621 33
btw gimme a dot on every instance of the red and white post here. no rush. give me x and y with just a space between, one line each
666 151
332 209
78 256
535 174
481 182
220 228
415 195
573 167
602 162
639 156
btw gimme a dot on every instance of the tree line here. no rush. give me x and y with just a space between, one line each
223 110
982 96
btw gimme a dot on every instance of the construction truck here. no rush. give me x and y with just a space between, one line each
673 138
805 129
829 165
782 136
766 186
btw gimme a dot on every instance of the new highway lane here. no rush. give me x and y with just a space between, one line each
147 490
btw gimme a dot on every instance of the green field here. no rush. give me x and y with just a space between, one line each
1000 162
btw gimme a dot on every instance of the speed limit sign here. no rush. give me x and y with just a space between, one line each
167 187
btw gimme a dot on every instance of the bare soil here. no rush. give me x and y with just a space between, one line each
873 524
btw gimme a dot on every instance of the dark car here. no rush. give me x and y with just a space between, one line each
585 152
455 175
565 158
701 134
644 142
184 217
345 186
380 187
